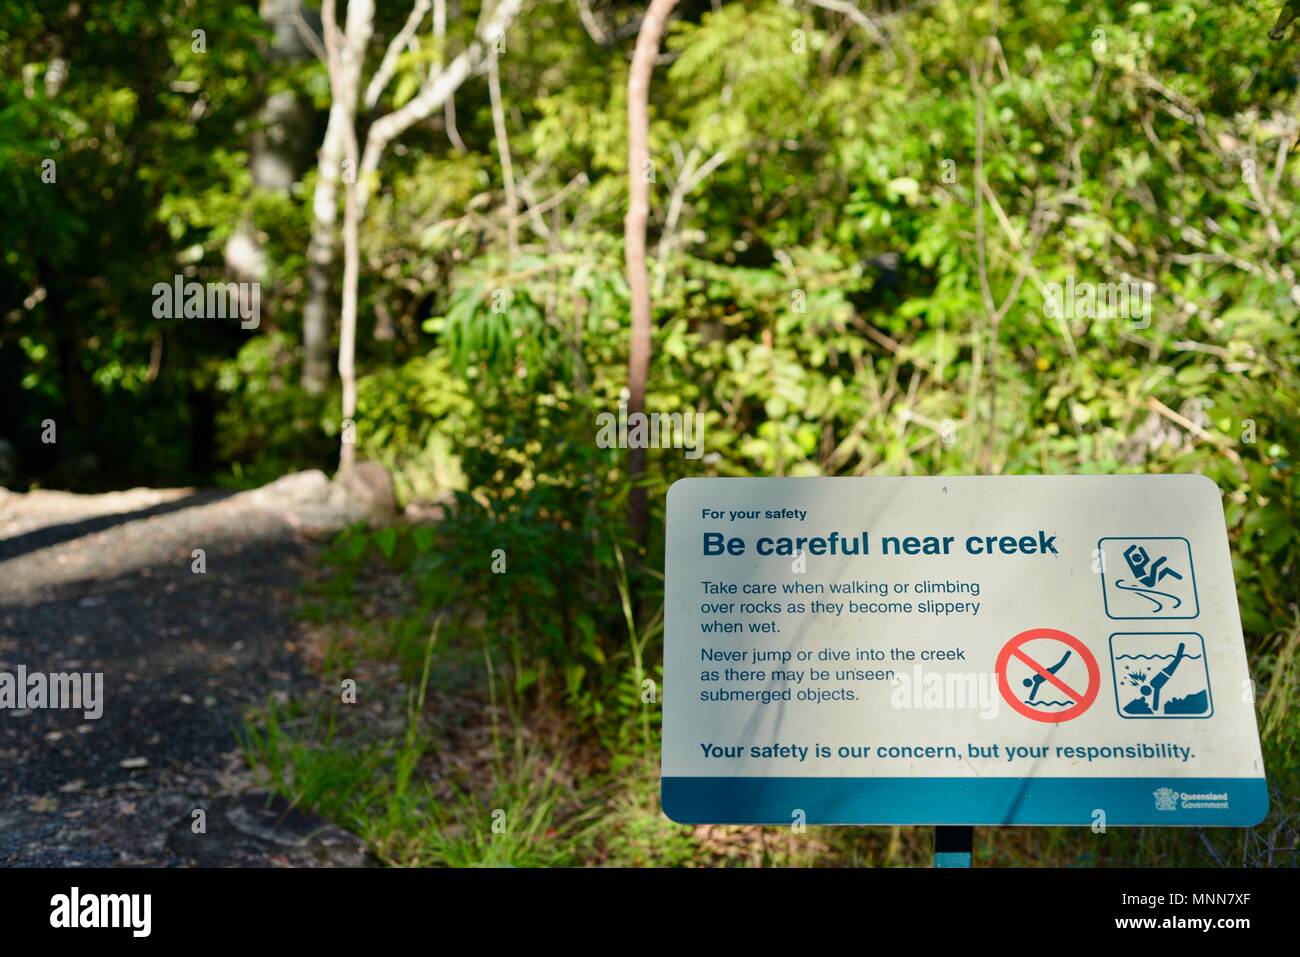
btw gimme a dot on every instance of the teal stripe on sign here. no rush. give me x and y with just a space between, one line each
1170 802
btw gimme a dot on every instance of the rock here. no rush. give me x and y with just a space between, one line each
318 521
314 505
254 827
297 488
365 491
418 513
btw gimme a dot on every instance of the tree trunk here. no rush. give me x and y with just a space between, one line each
318 314
503 151
280 149
348 317
634 238
345 54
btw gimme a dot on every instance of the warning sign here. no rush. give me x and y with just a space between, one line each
1051 693
955 650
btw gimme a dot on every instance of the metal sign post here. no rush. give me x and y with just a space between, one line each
953 846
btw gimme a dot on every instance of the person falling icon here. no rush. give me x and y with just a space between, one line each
1138 560
1036 681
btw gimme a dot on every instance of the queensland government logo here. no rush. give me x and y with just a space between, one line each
1166 799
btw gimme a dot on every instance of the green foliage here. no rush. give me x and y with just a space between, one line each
820 300
119 167
268 424
855 238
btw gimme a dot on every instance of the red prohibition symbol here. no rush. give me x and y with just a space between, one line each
1082 699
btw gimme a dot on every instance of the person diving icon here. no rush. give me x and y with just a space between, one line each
1035 682
1162 677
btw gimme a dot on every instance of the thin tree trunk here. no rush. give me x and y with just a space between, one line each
348 318
433 95
503 151
280 149
634 238
346 54
449 110
318 314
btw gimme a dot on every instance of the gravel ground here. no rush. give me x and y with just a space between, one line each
104 583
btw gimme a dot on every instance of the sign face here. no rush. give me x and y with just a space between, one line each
962 650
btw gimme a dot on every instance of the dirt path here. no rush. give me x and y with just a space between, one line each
105 583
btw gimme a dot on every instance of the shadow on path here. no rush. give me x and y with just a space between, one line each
50 535
183 655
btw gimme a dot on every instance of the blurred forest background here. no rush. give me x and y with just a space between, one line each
857 210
